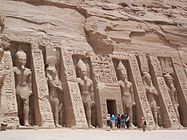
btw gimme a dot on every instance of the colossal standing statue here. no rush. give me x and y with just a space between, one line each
86 89
23 85
151 92
127 92
173 93
55 88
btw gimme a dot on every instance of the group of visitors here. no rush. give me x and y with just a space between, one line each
119 121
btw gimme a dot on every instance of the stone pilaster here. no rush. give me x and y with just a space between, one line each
74 110
169 117
181 85
43 113
143 104
8 98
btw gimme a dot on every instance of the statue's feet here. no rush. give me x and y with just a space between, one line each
132 127
157 126
91 126
27 125
58 126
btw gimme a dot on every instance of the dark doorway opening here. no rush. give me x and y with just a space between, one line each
111 107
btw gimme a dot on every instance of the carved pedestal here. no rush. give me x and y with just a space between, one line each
169 117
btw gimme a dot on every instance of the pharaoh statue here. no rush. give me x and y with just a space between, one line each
151 94
173 93
127 92
23 85
55 88
86 89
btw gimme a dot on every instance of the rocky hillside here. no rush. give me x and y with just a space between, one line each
102 25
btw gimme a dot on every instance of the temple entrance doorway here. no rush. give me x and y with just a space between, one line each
111 107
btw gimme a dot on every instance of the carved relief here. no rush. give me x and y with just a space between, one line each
151 93
103 69
43 114
169 116
73 97
127 92
23 85
86 89
8 105
173 93
55 89
139 86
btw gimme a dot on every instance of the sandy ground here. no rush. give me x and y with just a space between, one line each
92 134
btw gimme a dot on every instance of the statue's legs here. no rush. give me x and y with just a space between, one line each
176 111
26 111
55 109
130 113
155 115
87 107
20 110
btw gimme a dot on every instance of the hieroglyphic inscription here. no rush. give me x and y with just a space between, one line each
9 102
69 66
145 108
170 117
104 111
178 68
75 96
42 88
80 117
103 69
143 63
181 87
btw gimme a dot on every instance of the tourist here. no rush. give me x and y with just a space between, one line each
113 119
143 123
118 120
109 123
122 121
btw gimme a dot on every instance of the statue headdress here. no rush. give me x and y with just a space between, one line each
121 67
168 76
51 60
81 65
20 53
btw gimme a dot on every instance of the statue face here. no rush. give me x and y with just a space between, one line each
84 72
124 74
52 72
22 60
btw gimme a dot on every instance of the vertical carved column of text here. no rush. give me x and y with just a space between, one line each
8 92
73 95
168 113
43 111
144 107
181 82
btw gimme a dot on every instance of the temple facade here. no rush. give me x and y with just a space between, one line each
70 63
